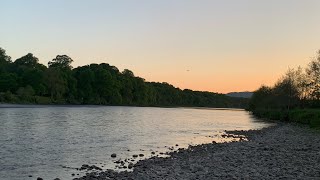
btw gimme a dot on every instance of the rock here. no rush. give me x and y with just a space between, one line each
177 144
141 155
84 166
57 179
96 167
130 166
30 176
135 156
72 174
113 155
266 154
39 178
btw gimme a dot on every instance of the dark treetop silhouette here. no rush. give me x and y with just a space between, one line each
27 81
295 97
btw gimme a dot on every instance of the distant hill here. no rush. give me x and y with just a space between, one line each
245 94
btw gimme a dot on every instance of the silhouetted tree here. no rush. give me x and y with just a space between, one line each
27 61
29 81
61 62
313 73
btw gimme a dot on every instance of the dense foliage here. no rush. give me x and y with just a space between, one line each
27 81
295 97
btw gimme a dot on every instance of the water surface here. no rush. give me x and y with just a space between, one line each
41 140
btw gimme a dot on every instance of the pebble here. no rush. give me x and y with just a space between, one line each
113 155
284 151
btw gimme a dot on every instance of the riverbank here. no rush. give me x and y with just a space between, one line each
286 151
309 117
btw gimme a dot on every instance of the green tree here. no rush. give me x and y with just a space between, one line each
5 60
26 93
286 92
313 74
8 82
30 72
4 57
29 61
127 73
57 85
85 78
261 98
104 85
61 62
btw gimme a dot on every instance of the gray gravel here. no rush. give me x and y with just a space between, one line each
284 151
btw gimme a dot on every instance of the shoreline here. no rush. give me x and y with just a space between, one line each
8 105
284 150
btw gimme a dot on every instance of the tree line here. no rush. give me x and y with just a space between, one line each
294 97
298 88
25 80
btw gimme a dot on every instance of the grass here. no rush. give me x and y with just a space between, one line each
303 116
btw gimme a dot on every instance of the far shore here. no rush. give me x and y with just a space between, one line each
282 151
8 105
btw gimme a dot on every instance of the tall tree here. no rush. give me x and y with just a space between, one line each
313 73
29 61
56 83
85 78
3 56
61 62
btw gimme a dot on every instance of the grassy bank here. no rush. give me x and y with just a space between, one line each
16 99
303 116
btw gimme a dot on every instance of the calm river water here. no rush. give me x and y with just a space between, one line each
51 141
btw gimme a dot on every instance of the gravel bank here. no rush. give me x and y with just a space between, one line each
284 151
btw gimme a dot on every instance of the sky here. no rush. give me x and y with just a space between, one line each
208 45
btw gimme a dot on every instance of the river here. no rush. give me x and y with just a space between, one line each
51 141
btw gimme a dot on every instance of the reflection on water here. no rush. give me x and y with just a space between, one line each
41 140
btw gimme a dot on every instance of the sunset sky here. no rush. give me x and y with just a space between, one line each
219 46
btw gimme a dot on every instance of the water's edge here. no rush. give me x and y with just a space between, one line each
272 152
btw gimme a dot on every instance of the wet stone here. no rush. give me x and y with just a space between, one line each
113 155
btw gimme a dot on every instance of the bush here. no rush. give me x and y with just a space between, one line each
302 116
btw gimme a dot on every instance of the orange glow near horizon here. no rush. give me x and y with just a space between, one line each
207 45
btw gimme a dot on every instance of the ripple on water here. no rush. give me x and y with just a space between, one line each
42 140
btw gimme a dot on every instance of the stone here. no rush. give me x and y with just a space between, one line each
130 166
113 155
